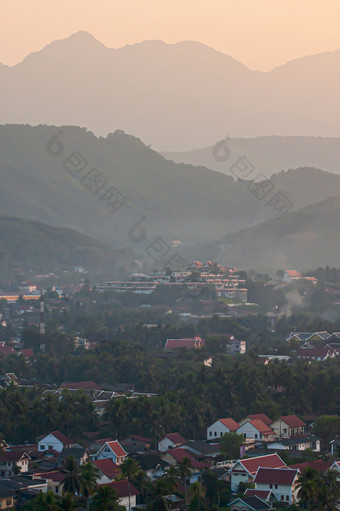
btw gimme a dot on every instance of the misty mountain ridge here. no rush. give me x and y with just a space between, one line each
302 240
172 201
269 155
39 247
189 93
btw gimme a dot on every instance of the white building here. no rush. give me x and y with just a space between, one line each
282 482
221 427
55 441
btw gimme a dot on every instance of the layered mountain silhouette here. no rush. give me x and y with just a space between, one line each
174 96
302 240
152 197
269 155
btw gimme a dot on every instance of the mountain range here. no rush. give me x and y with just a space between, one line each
174 96
158 198
301 240
268 155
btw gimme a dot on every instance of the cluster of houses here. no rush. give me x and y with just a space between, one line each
258 430
315 346
31 468
197 275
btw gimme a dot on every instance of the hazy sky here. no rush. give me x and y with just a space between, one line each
260 33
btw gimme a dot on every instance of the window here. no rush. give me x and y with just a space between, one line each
42 447
255 435
287 497
215 433
285 430
270 486
50 447
282 497
276 487
210 433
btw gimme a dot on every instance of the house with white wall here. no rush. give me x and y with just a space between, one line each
257 430
112 450
170 441
288 426
221 427
244 470
283 482
55 441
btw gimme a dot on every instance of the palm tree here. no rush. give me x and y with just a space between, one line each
328 492
142 482
159 502
129 469
68 503
106 499
71 483
43 502
184 471
88 481
172 475
308 487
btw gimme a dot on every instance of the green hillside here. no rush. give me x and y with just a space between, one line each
35 246
301 240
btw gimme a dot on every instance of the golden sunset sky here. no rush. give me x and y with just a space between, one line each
262 34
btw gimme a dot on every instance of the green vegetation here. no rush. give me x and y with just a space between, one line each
31 245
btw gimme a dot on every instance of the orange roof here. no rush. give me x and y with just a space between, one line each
117 448
230 423
264 418
261 426
293 421
293 273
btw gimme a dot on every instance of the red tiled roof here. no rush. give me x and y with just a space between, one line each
261 426
103 441
27 352
108 467
262 494
59 436
268 461
122 488
314 353
85 385
5 351
176 438
264 418
55 476
195 342
293 273
319 465
283 476
230 423
178 454
117 448
13 455
293 421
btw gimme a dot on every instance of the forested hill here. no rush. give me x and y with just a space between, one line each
303 239
174 201
33 245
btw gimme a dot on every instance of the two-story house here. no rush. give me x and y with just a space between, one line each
170 441
281 481
287 426
244 470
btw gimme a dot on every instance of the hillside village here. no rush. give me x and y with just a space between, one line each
258 478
